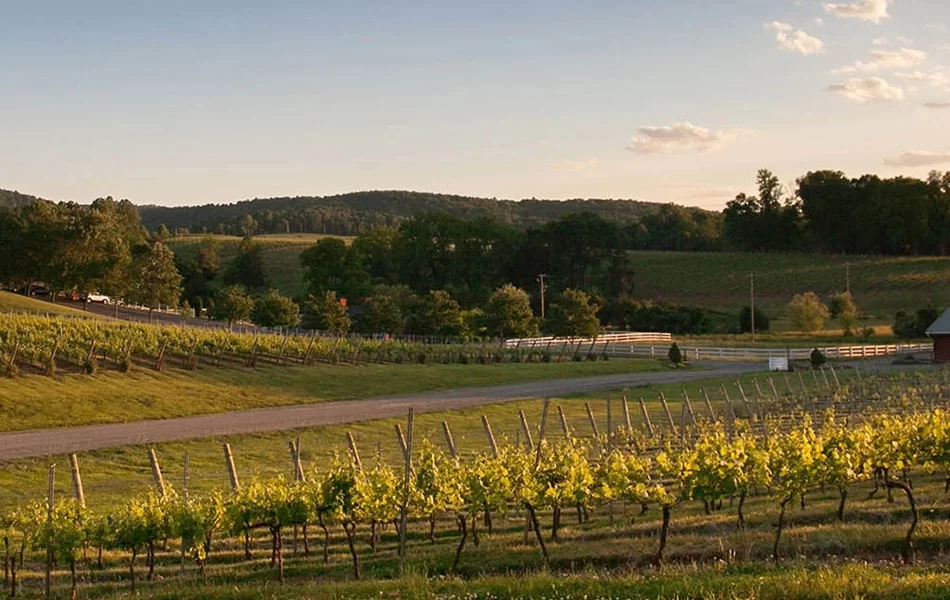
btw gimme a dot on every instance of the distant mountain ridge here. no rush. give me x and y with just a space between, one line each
356 212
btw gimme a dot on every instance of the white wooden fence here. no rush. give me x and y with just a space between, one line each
621 337
764 354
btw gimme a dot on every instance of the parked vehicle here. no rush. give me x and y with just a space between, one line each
100 298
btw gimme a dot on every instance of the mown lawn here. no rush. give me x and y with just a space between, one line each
112 475
35 402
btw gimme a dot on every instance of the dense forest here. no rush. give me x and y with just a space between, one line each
10 198
358 212
826 212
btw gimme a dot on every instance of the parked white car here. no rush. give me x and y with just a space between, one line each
98 298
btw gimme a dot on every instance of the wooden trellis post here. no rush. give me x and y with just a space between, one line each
730 412
525 430
404 516
745 401
646 417
449 441
490 436
354 451
156 472
77 481
709 406
625 407
593 421
49 522
689 408
666 409
563 420
229 463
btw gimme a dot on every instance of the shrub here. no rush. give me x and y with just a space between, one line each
914 326
666 318
807 312
817 358
676 356
843 308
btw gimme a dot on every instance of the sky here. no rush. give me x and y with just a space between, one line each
206 101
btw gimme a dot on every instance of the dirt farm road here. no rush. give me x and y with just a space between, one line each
44 442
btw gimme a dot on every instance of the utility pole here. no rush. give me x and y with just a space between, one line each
847 277
541 282
752 311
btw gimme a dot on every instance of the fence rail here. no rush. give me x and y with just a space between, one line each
621 337
764 354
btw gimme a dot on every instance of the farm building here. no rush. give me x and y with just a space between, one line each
939 332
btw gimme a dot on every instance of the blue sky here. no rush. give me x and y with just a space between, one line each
665 100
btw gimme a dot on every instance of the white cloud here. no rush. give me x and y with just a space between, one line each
679 137
576 165
904 40
919 158
905 58
795 41
872 89
881 41
819 21
938 27
937 105
866 10
898 59
937 78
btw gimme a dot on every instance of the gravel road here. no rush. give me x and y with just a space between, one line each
26 444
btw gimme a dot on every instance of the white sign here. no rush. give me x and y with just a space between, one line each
778 363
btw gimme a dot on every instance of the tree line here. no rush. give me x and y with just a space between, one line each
359 212
827 211
69 247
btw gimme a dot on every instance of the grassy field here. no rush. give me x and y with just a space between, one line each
720 281
112 475
10 302
281 255
32 402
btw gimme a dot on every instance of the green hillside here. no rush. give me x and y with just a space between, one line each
880 285
714 280
281 255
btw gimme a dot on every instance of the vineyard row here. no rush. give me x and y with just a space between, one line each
880 430
43 344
